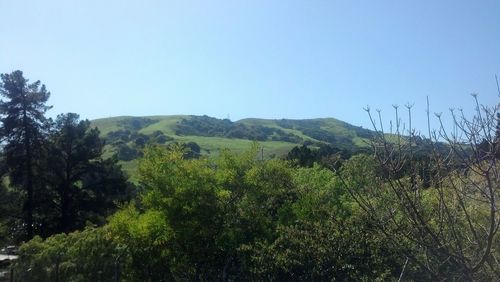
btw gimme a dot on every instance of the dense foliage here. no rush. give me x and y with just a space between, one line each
234 218
24 129
325 155
208 126
88 255
238 218
316 129
128 143
412 208
53 176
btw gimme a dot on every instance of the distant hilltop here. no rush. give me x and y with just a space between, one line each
126 135
212 134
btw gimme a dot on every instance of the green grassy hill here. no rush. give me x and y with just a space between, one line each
126 135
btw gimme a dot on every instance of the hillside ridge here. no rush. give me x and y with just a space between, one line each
126 136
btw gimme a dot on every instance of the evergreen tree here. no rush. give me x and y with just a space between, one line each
9 210
23 129
81 186
72 148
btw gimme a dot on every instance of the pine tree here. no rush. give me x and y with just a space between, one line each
72 148
81 186
23 129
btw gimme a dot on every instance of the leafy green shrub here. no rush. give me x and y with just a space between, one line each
89 255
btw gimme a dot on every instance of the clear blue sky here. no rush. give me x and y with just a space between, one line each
268 59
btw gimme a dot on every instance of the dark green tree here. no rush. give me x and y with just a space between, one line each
10 208
72 147
103 189
302 156
23 129
80 184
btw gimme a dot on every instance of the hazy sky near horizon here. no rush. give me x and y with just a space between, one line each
255 58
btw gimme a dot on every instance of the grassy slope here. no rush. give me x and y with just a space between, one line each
272 123
211 146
